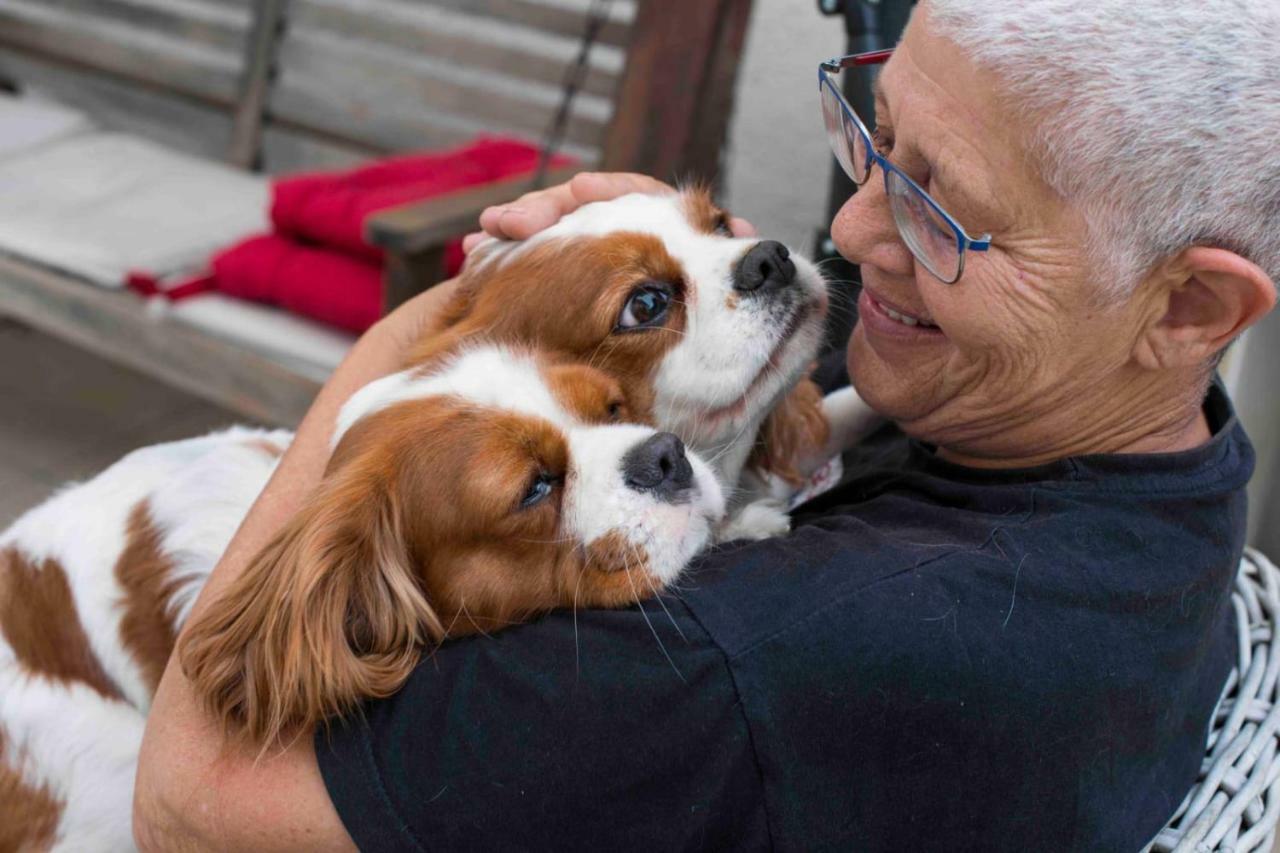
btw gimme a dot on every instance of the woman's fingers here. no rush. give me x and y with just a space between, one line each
603 186
741 227
540 209
528 214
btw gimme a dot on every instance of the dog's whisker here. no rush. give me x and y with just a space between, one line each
657 589
577 648
649 622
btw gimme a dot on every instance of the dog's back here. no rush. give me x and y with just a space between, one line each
82 648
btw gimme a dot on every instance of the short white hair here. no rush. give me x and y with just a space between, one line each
1160 119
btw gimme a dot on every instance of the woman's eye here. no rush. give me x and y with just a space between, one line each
541 489
882 141
646 307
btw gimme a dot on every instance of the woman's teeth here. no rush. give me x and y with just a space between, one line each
903 318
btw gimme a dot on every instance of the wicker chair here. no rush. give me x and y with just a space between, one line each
1235 803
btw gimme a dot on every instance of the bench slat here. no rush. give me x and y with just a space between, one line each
178 123
117 325
285 150
260 49
409 30
212 26
388 104
556 20
126 52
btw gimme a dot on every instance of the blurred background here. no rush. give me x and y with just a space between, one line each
175 176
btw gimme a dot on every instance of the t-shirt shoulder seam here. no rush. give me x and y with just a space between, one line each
746 721
383 796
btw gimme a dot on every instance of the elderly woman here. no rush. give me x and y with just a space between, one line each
1008 627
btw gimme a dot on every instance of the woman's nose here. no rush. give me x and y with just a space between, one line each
864 232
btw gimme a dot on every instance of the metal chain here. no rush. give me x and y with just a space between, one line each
575 76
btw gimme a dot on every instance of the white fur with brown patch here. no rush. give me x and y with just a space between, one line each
83 746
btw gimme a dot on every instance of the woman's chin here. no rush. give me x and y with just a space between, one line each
904 389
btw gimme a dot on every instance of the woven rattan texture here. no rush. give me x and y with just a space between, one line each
1236 801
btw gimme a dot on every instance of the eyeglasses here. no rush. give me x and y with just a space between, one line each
934 237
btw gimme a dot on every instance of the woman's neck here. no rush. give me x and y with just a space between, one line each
1132 419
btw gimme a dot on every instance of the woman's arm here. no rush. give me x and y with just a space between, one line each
193 791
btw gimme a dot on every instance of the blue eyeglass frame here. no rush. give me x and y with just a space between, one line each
876 57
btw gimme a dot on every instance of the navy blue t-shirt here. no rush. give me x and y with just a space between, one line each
937 658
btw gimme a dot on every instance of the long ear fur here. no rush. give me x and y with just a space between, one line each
445 332
328 614
793 435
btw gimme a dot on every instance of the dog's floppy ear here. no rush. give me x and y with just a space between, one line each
792 437
447 328
328 614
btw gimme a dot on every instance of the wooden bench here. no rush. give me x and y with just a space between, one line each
275 86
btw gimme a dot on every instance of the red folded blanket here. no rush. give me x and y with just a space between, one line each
327 286
330 208
317 263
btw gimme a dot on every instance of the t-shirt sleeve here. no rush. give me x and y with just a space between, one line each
611 730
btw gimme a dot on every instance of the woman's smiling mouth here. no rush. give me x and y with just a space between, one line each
885 318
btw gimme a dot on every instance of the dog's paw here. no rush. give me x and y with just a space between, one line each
757 520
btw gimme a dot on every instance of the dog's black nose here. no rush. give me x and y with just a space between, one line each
658 465
766 267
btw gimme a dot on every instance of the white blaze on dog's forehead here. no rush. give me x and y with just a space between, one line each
663 216
496 377
660 215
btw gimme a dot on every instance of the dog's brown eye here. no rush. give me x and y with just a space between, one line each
647 306
539 490
722 226
615 411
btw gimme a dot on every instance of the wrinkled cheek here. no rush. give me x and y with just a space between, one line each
995 335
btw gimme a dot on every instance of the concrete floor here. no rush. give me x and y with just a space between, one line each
66 414
778 160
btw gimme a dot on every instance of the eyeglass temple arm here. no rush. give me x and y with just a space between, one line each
875 57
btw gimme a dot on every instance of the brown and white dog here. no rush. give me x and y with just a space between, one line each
642 307
463 496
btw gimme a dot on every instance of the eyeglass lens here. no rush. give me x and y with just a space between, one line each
837 134
929 237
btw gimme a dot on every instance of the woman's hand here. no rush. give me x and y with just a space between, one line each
540 209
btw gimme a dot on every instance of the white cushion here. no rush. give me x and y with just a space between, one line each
101 204
306 346
27 122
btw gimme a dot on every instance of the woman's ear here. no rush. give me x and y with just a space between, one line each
793 435
1208 296
328 614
